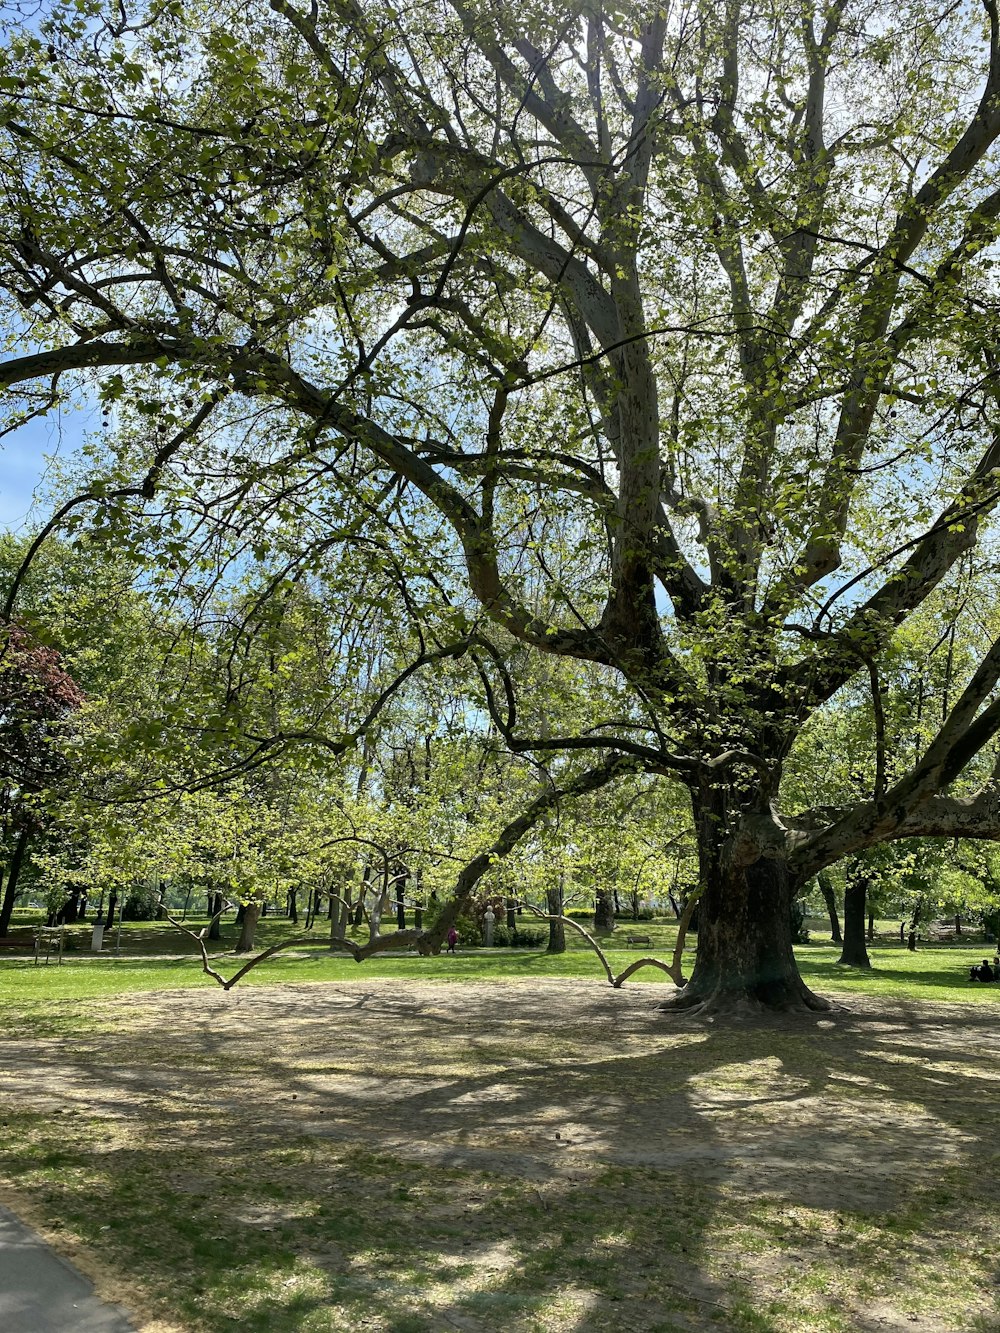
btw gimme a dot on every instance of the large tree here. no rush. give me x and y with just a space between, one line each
659 338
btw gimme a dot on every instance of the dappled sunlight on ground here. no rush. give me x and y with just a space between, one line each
400 1155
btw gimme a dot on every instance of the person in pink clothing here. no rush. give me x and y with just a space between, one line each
452 939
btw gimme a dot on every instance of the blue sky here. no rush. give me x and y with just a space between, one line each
24 458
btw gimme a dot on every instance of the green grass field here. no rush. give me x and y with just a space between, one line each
154 956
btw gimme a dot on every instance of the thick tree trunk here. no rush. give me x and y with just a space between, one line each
557 931
604 911
69 913
745 960
292 902
826 889
250 917
10 893
855 951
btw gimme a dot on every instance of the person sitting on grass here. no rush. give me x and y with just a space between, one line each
984 972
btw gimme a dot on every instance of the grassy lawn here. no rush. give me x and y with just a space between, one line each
154 955
528 1150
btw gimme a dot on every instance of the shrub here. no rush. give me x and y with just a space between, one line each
528 939
141 903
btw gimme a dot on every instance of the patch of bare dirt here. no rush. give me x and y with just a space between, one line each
788 1132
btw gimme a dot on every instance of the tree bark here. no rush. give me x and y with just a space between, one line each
343 919
745 960
871 926
10 893
69 913
214 911
251 915
915 920
293 906
826 889
557 931
511 914
604 911
855 951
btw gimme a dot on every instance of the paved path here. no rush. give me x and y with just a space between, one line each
41 1293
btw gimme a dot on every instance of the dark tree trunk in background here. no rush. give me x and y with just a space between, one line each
215 911
855 951
826 889
557 931
418 908
400 904
604 911
343 917
292 903
359 911
871 927
251 914
958 924
915 920
10 892
69 913
241 913
112 908
511 914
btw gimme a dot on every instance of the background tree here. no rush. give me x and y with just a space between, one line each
661 342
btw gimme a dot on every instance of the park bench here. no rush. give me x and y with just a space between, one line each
49 938
638 939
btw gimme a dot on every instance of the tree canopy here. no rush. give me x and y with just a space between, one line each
656 339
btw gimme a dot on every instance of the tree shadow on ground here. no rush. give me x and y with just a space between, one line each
524 1157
